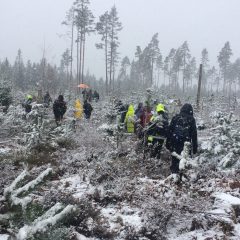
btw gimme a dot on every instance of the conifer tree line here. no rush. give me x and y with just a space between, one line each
177 72
32 76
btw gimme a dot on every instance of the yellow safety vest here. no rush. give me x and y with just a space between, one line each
78 109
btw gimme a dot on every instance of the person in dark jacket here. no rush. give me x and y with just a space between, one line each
87 108
90 95
59 109
96 96
121 110
47 99
182 129
85 95
157 131
139 111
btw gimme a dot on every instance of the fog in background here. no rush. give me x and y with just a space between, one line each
27 24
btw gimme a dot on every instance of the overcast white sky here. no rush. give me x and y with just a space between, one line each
25 24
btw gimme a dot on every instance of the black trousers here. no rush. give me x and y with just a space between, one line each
175 165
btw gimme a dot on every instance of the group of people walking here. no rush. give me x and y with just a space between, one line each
154 128
59 106
89 95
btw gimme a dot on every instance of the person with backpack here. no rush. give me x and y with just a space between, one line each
157 131
87 108
59 109
182 129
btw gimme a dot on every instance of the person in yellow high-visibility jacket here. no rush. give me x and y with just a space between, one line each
129 119
78 109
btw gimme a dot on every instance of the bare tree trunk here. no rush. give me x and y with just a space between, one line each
43 68
199 87
84 40
169 81
218 82
106 62
177 80
184 66
110 71
113 74
224 83
78 39
68 76
164 78
152 61
71 66
80 58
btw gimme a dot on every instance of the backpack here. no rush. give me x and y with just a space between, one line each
181 132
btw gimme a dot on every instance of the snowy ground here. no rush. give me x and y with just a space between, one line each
117 193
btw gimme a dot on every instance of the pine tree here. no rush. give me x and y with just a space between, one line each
237 71
171 63
159 66
177 64
70 21
103 29
123 76
185 55
190 72
65 62
6 73
205 64
84 21
153 53
212 74
224 62
138 67
19 71
29 76
115 28
165 69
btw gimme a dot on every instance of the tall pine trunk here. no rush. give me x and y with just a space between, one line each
78 39
71 66
111 66
84 41
106 62
183 80
113 74
80 58
152 63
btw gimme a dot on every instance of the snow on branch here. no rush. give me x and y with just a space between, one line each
33 183
9 190
49 219
15 200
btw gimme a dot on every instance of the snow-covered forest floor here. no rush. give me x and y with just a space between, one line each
86 181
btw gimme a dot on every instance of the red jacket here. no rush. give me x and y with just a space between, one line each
145 117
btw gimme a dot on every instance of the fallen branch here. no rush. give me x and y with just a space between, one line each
49 219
